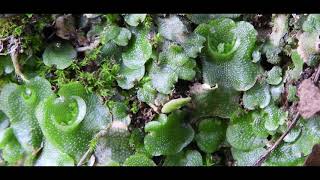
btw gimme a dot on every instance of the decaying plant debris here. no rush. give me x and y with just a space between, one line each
159 90
309 95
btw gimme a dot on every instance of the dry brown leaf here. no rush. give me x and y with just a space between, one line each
65 26
314 158
309 95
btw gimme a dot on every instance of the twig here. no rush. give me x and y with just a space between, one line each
89 152
5 38
291 126
14 58
85 156
155 108
316 77
276 144
14 49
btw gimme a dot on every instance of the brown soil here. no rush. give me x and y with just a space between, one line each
143 116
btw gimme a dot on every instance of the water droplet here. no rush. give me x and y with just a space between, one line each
28 92
58 44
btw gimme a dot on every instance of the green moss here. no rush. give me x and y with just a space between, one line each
28 28
101 81
7 27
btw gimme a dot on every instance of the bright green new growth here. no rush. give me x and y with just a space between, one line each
228 54
221 41
12 151
175 104
168 135
70 121
60 54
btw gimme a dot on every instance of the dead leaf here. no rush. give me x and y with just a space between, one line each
314 158
65 26
309 95
82 40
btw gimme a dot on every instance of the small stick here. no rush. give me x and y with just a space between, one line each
316 77
85 156
14 58
277 143
89 152
155 108
14 53
291 126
